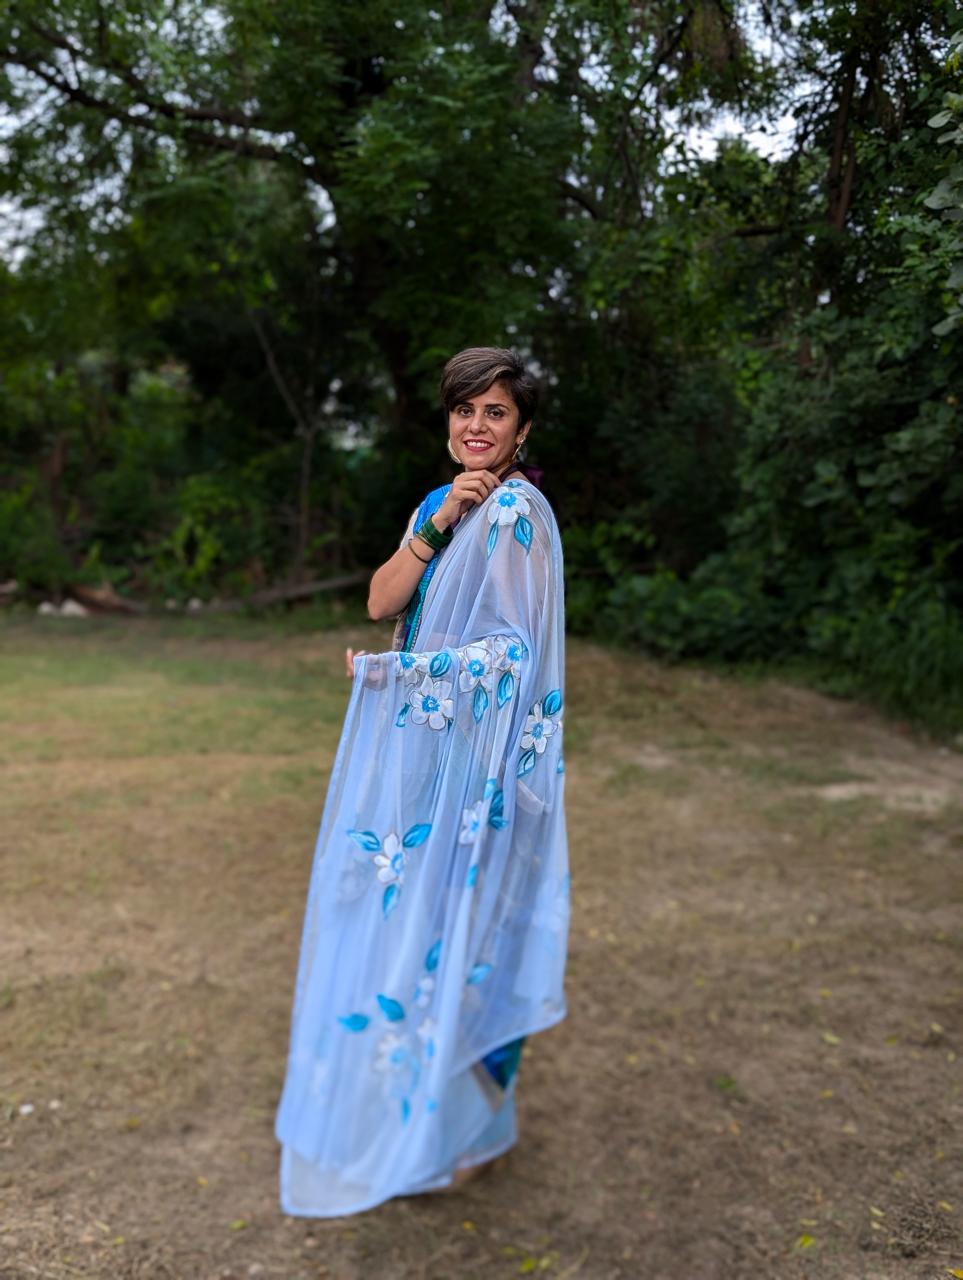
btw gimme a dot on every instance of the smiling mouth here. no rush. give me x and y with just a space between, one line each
477 446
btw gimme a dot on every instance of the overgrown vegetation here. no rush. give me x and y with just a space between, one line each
252 234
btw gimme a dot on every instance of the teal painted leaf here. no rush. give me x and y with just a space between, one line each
524 532
491 786
416 835
439 664
431 959
526 763
496 809
390 899
506 687
478 974
402 715
492 538
560 767
393 1010
472 876
552 703
354 1022
479 703
405 1110
367 840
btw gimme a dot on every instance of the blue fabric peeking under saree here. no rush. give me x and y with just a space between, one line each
436 924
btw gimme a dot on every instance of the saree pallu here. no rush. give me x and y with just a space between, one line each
436 924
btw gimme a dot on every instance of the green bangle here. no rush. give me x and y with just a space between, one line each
435 538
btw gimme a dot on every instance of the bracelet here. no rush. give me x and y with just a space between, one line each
415 553
431 534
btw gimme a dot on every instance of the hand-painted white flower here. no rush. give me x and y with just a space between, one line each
392 860
423 991
476 665
431 702
472 821
506 506
413 666
392 1053
537 730
510 652
426 1033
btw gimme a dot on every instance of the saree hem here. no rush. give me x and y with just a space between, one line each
417 1189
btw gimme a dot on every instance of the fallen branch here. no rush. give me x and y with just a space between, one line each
281 595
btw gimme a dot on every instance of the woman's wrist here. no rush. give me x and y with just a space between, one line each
435 537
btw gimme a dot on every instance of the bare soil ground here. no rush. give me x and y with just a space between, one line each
760 1072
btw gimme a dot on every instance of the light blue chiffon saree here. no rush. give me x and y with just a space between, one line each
437 915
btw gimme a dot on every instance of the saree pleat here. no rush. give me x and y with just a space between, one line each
436 924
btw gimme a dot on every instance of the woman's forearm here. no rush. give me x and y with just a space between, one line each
393 585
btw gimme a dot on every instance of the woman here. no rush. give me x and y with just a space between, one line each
436 925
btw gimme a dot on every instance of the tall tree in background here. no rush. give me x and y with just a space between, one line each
308 207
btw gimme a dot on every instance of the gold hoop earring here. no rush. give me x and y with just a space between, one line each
452 454
517 447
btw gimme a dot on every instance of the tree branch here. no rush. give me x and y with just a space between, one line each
235 144
580 197
296 411
210 115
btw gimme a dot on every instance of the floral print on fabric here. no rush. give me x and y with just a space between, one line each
488 669
542 722
391 858
508 507
431 703
407 1044
476 667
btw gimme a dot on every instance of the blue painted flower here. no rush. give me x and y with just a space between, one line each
505 507
423 992
472 820
476 665
392 860
538 729
393 1052
426 1034
432 703
510 653
413 665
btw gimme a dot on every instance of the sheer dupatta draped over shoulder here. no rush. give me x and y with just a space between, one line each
437 916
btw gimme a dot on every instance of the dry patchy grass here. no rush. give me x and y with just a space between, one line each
760 1071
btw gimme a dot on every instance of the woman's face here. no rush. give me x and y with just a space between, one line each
484 430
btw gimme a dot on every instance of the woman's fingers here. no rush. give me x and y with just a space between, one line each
474 487
349 657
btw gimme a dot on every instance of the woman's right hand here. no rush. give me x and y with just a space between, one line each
468 489
349 657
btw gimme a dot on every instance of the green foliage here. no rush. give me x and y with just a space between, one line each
256 232
947 197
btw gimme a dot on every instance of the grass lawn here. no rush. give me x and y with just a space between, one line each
760 1073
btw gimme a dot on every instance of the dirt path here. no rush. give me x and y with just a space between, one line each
760 1072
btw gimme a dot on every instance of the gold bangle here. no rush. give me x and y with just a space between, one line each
415 553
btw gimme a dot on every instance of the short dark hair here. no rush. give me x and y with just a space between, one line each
473 371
